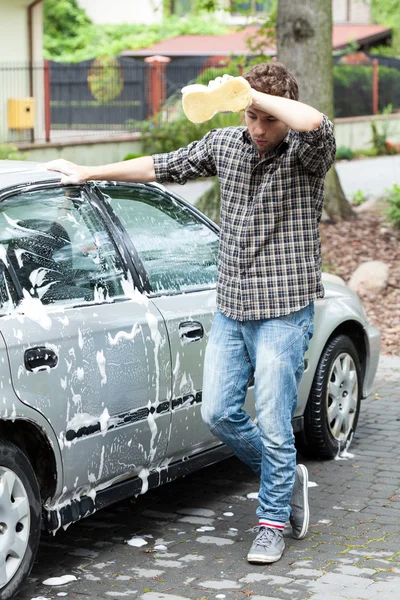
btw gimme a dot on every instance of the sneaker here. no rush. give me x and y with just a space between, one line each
300 514
268 546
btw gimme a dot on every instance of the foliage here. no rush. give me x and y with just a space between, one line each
387 12
165 137
64 27
344 153
358 198
365 152
353 89
10 152
131 155
210 202
70 36
393 200
380 132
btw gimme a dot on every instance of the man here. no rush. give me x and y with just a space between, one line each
271 175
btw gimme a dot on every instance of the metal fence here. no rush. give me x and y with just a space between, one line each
113 96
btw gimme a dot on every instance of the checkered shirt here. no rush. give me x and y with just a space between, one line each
269 261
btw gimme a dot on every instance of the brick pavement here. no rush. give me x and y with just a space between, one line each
198 531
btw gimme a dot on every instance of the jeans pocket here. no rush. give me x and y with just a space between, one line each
302 319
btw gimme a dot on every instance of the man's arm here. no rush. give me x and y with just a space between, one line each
140 170
295 114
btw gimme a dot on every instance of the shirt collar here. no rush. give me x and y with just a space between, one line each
278 150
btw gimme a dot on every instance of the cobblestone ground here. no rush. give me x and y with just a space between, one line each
198 530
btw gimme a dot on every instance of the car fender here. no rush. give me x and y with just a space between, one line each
332 314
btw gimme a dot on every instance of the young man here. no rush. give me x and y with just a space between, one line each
271 175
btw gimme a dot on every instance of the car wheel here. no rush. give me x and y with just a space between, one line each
334 403
20 518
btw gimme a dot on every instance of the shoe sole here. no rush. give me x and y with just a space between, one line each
261 560
306 520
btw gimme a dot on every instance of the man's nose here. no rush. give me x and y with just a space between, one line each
260 128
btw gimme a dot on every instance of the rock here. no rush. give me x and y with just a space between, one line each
370 278
375 205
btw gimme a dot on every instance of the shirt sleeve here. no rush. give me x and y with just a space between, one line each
317 148
192 161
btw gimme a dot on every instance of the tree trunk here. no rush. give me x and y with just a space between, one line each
304 44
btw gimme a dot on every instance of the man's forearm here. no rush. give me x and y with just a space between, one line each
139 170
296 115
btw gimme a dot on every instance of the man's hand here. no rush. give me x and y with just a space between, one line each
72 174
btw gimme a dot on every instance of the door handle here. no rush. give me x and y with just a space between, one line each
40 358
190 331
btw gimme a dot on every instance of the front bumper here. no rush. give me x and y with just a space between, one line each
373 351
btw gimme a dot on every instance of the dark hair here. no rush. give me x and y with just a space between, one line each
273 78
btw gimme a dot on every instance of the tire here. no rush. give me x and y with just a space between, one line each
20 518
331 415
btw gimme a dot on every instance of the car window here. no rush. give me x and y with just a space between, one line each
58 247
178 250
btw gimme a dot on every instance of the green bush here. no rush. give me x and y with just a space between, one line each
393 200
344 153
10 152
359 198
353 89
131 155
164 137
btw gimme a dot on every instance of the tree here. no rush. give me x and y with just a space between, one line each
304 45
65 27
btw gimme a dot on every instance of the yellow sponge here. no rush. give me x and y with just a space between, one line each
227 94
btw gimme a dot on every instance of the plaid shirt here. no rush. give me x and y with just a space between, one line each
269 260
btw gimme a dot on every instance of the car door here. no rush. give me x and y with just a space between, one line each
86 348
178 248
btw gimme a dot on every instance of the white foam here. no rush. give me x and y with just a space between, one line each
59 580
137 542
252 496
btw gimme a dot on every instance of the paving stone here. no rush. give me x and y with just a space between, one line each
354 555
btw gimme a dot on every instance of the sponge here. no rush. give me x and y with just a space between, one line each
227 94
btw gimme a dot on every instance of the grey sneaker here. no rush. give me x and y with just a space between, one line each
268 546
300 514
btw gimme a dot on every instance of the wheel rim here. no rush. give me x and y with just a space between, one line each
342 397
15 521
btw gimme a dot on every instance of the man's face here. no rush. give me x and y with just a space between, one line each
265 131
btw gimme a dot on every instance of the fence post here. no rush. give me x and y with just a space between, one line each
375 86
156 82
47 109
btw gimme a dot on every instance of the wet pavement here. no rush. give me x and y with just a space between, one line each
189 539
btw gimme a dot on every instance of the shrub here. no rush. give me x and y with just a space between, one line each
132 155
358 198
10 152
180 132
344 153
393 200
353 89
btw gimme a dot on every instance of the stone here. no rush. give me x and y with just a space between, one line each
370 278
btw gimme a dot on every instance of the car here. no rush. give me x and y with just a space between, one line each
107 297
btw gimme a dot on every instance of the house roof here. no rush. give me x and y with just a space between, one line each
235 42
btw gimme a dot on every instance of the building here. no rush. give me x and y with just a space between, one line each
151 11
21 88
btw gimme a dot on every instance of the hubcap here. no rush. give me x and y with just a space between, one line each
15 524
342 397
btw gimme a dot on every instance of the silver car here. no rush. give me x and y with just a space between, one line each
107 295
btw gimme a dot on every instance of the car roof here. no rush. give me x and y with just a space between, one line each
18 172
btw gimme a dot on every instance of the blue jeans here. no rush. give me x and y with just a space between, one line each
271 350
